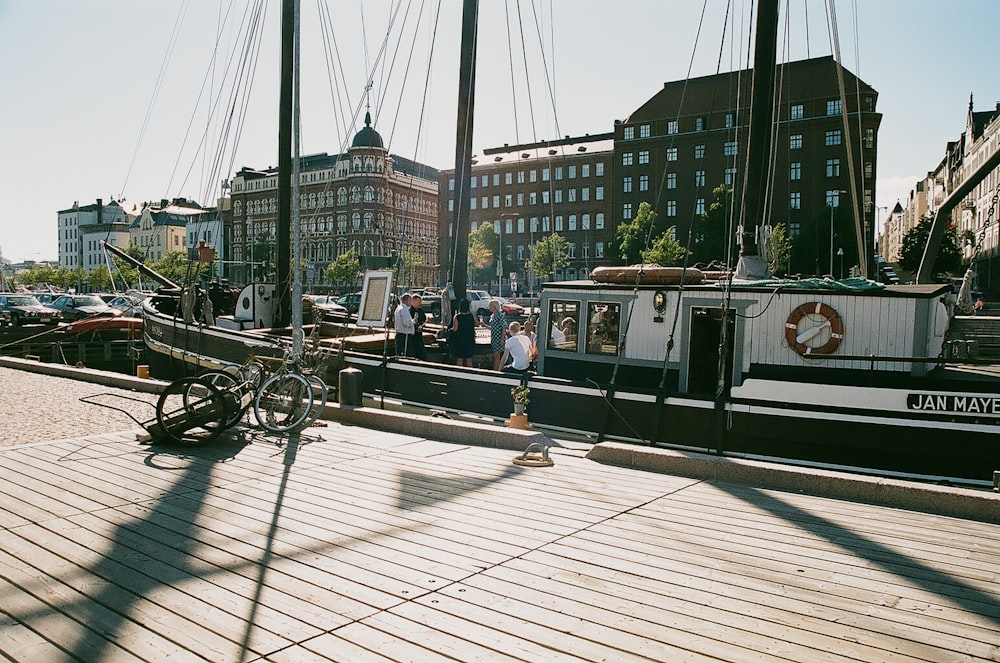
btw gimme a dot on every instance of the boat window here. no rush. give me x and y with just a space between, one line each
564 321
602 328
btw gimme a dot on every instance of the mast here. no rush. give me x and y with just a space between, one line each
283 309
755 173
463 147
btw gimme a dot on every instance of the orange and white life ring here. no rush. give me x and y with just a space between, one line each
818 318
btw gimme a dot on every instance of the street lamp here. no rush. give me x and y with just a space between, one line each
840 254
834 198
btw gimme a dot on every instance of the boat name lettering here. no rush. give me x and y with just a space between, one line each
950 403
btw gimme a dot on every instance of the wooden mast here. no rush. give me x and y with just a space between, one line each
463 149
283 308
753 209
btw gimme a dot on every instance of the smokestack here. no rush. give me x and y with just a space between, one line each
100 210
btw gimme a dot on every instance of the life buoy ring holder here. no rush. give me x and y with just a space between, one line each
798 340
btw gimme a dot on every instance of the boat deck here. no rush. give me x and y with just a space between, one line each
356 545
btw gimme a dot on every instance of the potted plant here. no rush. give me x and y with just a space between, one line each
520 396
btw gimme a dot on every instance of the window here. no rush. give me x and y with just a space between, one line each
508 200
795 200
797 112
699 124
558 196
599 250
451 184
520 177
832 138
508 178
585 170
833 167
833 198
520 225
564 317
671 154
598 193
643 156
671 180
795 142
599 168
730 120
795 171
672 127
730 176
545 224
533 198
474 182
628 133
671 208
834 107
545 197
572 223
699 206
496 201
602 328
699 178
644 183
599 221
869 103
486 202
729 148
585 222
571 250
533 224
571 198
627 185
559 174
869 139
699 151
559 223
545 174
794 229
533 176
585 194
627 158
643 131
473 203
627 211
496 179
571 172
485 181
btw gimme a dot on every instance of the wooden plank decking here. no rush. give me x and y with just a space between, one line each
354 545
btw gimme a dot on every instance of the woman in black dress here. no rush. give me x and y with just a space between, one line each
463 334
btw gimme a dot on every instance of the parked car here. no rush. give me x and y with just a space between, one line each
23 309
76 307
479 304
328 305
129 306
351 302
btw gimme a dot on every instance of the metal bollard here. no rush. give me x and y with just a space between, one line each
350 382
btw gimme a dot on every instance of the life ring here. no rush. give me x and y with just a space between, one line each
799 340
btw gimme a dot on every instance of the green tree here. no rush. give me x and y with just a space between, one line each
176 267
631 236
484 246
949 257
344 270
779 250
550 253
711 237
665 251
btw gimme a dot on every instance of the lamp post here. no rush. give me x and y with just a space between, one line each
840 254
834 198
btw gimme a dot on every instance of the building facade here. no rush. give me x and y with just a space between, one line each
690 138
527 192
81 229
162 228
366 200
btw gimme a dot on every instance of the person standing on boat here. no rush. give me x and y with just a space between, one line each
498 331
419 318
463 334
403 322
517 348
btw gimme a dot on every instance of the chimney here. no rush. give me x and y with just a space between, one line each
100 210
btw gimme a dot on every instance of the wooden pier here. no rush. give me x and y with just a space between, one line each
349 544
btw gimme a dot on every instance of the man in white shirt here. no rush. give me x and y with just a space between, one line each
518 349
403 322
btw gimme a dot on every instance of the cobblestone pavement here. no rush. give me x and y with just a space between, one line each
38 408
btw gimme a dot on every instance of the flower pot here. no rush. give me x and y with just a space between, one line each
519 408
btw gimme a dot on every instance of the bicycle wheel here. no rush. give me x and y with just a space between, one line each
190 411
233 390
319 392
283 402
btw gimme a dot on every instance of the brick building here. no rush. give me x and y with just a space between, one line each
690 137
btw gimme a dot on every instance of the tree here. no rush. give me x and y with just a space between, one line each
711 237
344 270
631 236
949 257
779 250
484 246
665 251
175 266
550 253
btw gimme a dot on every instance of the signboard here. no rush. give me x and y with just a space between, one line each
968 404
375 298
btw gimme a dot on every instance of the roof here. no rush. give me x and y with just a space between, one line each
367 137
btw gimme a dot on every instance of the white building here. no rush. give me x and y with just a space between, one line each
82 229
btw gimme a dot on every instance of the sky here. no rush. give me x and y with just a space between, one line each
111 98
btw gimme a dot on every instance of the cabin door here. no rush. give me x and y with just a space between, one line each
703 350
